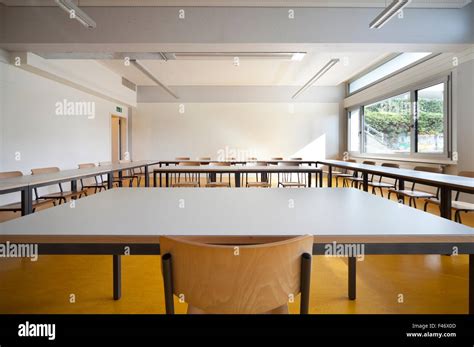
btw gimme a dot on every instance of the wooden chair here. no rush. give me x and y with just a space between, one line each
204 158
115 182
285 179
356 180
413 194
383 185
260 279
16 206
344 173
130 175
190 179
211 179
458 206
60 196
98 185
261 180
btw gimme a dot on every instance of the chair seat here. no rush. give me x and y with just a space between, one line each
95 185
356 179
258 185
413 193
16 206
292 184
381 185
217 184
457 205
185 184
343 175
62 195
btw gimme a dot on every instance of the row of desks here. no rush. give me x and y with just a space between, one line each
26 184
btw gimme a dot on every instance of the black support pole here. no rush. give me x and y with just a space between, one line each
147 176
305 282
110 180
117 278
351 261
237 179
26 201
168 282
154 178
471 284
320 173
365 181
329 176
445 202
73 186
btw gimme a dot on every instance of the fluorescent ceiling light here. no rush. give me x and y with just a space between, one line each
231 55
80 15
387 14
298 56
316 77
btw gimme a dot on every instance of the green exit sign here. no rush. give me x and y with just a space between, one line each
118 109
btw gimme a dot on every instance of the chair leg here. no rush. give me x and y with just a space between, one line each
414 202
381 191
425 207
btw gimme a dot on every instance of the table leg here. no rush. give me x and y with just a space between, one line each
154 178
26 201
120 175
237 179
110 180
351 262
320 173
309 179
445 203
401 186
161 180
329 176
147 176
73 186
117 269
471 284
365 181
167 179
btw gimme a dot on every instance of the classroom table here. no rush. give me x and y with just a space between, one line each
130 221
27 183
445 183
236 170
239 162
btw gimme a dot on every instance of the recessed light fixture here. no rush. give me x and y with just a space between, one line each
80 15
298 56
387 14
316 77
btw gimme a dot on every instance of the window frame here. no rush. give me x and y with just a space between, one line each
379 64
413 91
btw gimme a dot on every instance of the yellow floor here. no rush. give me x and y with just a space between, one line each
385 284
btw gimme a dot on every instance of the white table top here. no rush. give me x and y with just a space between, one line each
335 213
233 169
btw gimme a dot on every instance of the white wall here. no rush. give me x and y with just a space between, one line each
263 130
30 126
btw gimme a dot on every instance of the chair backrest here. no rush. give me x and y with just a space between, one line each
466 173
428 169
86 166
220 163
182 158
257 163
277 158
105 163
44 170
296 158
189 163
216 279
203 158
396 166
10 174
252 158
351 161
124 161
230 158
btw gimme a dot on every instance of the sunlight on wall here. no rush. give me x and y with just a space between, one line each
313 150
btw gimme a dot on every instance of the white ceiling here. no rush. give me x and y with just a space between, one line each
250 72
246 3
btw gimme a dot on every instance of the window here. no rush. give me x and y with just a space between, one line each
410 123
387 125
393 65
430 119
354 130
